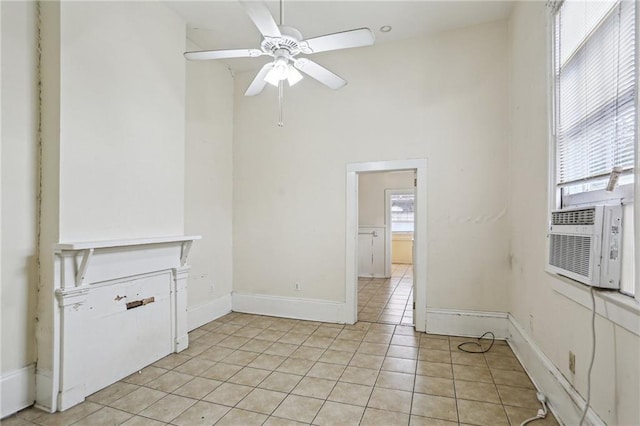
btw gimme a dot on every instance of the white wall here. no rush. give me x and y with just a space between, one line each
371 201
19 183
441 98
114 130
555 323
208 181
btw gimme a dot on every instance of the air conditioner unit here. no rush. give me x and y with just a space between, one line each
585 245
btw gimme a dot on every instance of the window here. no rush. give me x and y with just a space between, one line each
595 93
595 120
402 212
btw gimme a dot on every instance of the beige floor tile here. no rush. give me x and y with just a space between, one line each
279 421
232 342
308 353
228 394
216 353
262 401
270 335
69 416
248 332
228 328
394 380
324 331
267 361
434 386
512 378
518 397
468 359
390 399
255 345
356 335
428 421
296 366
472 373
196 348
211 339
382 328
30 414
405 352
351 393
375 417
438 407
481 413
142 421
111 393
367 361
169 381
197 388
314 387
221 371
105 416
336 357
202 413
171 361
358 375
326 371
14 420
240 357
168 408
280 348
278 381
249 376
434 355
337 414
318 342
237 417
138 400
477 391
438 344
299 408
399 365
194 366
345 345
503 362
434 369
293 338
373 348
305 328
517 415
377 337
145 375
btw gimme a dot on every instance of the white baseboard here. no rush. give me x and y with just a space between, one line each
207 312
467 323
289 307
564 401
18 390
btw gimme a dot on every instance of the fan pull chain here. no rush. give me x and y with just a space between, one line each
280 98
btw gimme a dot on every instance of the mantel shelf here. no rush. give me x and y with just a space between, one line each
87 245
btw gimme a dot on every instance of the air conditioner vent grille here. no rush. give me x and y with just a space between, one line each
574 217
571 253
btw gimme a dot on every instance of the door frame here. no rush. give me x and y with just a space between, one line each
387 220
420 234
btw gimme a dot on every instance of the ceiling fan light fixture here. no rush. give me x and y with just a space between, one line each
279 71
294 76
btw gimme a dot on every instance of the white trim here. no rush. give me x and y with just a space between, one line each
420 239
564 401
617 308
124 243
17 390
467 323
288 307
198 316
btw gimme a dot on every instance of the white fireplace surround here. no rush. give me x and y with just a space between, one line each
118 307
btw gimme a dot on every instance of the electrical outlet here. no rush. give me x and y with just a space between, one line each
572 362
296 286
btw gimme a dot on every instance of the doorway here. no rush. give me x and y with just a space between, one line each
419 270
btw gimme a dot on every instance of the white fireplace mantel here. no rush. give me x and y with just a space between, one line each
118 306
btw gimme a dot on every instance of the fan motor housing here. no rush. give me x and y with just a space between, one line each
291 40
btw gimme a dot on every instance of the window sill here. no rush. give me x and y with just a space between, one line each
616 307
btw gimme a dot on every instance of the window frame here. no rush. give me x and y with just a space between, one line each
622 304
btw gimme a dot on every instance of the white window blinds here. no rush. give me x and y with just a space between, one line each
595 89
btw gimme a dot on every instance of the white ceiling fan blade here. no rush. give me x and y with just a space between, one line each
343 40
259 82
320 73
261 17
223 54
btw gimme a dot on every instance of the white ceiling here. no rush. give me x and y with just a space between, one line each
224 24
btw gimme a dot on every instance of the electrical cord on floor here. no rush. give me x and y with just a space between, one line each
593 355
482 350
542 412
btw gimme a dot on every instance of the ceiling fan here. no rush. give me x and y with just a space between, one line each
284 44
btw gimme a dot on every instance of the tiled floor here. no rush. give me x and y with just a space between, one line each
247 369
387 300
